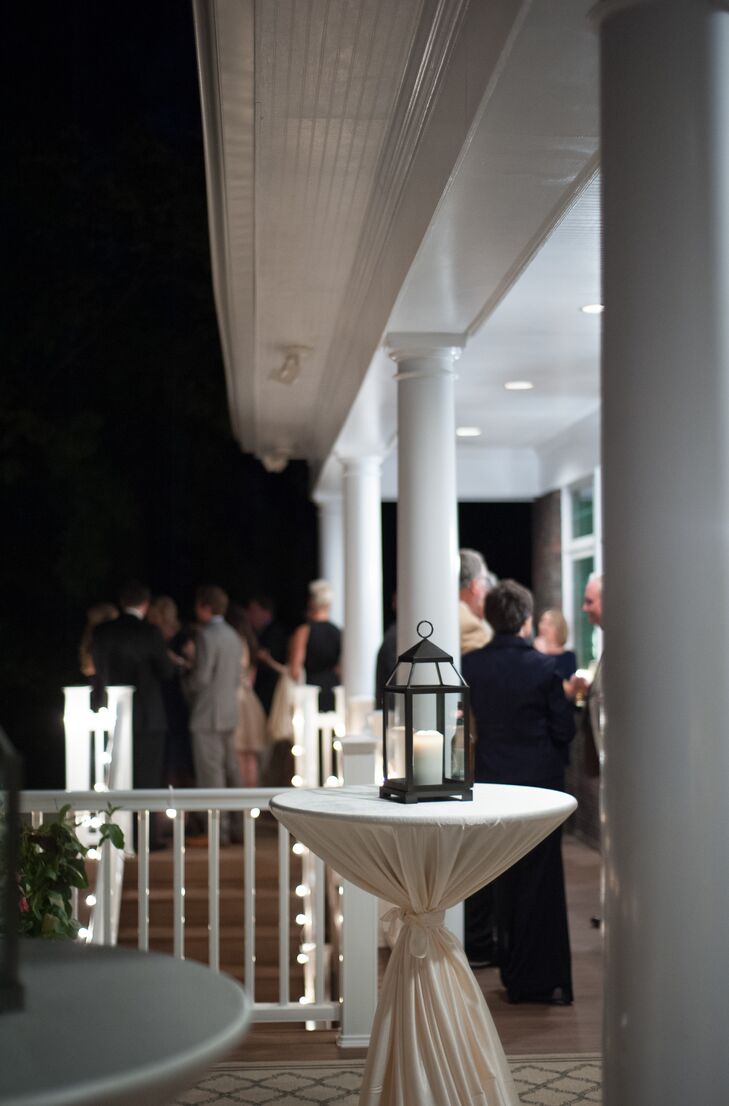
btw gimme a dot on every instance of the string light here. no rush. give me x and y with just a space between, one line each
299 849
302 890
83 933
296 781
255 812
297 750
100 787
302 958
91 900
301 919
170 812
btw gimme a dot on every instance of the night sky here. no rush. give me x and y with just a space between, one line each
117 458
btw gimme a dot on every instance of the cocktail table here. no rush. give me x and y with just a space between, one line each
113 1026
433 1040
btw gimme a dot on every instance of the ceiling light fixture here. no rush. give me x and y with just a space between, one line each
518 385
592 309
468 432
288 372
276 459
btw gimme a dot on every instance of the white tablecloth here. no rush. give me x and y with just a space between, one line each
113 1026
433 1041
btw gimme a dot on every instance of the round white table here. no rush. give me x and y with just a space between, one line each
433 1040
113 1026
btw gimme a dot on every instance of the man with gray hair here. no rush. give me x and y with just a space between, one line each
473 582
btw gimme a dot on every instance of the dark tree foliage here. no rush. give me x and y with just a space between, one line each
116 455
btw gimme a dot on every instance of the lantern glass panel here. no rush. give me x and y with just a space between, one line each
454 735
429 674
395 704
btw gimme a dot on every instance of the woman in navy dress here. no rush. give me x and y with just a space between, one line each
523 725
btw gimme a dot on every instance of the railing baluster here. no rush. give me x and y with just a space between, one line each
143 880
284 913
105 867
319 888
249 883
214 889
178 847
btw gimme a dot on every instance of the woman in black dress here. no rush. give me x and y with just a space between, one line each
316 646
524 725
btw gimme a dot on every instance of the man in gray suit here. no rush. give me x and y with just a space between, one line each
213 689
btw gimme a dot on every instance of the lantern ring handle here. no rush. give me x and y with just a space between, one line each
424 622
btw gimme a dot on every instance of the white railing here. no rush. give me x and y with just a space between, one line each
102 741
249 804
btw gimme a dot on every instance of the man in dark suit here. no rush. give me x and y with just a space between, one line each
132 652
524 725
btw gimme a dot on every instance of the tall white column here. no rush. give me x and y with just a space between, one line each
427 504
665 156
362 574
427 499
331 550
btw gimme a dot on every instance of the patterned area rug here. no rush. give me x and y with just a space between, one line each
540 1081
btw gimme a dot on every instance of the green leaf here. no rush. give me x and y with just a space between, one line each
114 834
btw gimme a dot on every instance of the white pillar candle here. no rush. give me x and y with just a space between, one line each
427 756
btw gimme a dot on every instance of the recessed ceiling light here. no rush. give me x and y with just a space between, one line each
468 432
592 309
518 385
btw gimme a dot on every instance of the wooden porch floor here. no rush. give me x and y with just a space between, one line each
523 1029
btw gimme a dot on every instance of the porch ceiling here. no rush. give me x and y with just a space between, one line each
376 166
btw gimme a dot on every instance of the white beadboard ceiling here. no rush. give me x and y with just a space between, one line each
379 166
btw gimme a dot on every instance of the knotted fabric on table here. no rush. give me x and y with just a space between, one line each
433 1040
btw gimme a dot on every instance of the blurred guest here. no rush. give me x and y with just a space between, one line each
213 689
552 634
130 651
95 615
271 647
479 911
524 725
250 733
178 768
386 658
316 646
473 582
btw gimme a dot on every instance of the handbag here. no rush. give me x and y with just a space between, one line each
280 724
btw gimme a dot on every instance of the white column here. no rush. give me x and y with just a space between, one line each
331 550
427 500
665 157
427 504
362 575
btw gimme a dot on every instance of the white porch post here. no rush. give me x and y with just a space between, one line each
427 503
665 159
363 582
331 550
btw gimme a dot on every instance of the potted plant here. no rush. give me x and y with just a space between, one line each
51 863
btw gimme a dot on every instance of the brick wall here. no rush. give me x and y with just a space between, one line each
546 552
547 587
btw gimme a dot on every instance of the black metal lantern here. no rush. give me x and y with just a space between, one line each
426 746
